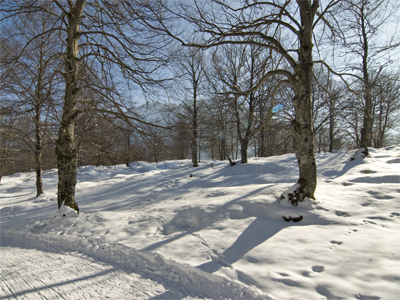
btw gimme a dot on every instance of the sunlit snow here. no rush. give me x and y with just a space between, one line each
171 231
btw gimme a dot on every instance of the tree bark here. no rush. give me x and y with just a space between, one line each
66 150
302 125
331 123
243 151
38 155
194 124
194 150
366 131
38 145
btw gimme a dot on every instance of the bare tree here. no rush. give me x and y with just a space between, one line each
7 144
29 81
386 107
283 27
365 30
190 78
237 68
328 100
103 36
220 127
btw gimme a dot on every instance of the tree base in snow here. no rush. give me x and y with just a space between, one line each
362 152
231 162
296 219
74 206
294 194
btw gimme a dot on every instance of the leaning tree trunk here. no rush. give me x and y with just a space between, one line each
66 150
302 125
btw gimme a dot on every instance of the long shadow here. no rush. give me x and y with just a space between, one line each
194 230
165 241
259 231
348 165
227 176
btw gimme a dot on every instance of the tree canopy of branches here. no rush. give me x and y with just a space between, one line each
30 82
367 47
231 61
286 28
102 43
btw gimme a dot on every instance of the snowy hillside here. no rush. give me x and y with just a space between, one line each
214 231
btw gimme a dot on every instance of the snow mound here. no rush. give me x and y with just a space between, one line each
65 212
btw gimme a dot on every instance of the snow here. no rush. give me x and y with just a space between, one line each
171 231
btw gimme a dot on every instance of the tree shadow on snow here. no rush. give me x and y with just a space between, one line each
259 231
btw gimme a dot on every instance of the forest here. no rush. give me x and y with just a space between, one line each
113 82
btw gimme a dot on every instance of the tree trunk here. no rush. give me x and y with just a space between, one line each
194 129
244 141
194 152
66 150
38 170
382 125
128 149
38 146
243 151
302 125
331 124
366 131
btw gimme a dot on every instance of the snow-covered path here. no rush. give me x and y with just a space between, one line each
35 274
32 267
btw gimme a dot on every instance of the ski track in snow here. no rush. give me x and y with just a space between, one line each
25 275
85 269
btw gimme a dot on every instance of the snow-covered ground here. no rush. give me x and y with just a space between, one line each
170 231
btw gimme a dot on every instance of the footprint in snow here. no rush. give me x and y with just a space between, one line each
305 273
351 231
366 222
336 242
342 214
318 269
364 297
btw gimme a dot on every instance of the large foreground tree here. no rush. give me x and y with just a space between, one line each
103 44
286 28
